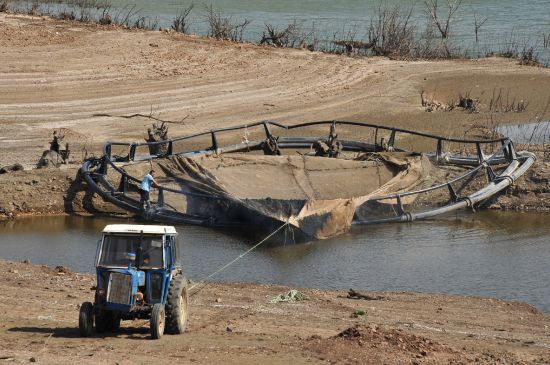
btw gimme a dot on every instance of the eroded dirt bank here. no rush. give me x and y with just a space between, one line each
235 324
63 191
49 192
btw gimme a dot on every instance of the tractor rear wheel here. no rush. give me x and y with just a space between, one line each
86 319
177 314
157 321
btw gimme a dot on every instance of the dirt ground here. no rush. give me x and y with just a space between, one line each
235 324
85 80
81 80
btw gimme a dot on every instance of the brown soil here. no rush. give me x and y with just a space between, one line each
530 192
80 79
235 324
49 191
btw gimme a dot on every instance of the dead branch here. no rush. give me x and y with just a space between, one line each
478 24
443 25
142 116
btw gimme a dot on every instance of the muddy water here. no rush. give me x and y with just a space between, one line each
502 255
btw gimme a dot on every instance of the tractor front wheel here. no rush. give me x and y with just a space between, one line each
157 321
177 314
86 319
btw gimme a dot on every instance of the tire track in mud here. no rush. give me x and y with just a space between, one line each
221 95
101 73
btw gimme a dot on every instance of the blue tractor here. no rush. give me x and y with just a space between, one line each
138 277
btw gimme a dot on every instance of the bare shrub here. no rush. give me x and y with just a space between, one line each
510 47
442 24
545 40
529 57
292 36
280 37
430 47
501 103
390 33
105 17
67 15
124 15
4 6
181 22
310 40
222 27
145 22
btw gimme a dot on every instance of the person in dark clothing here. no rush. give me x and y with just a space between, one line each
54 144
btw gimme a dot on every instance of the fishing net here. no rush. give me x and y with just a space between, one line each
317 195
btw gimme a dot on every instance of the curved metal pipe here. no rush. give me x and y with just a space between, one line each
518 165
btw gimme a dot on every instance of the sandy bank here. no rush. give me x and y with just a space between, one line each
83 78
233 323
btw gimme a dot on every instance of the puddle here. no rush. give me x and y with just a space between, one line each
534 133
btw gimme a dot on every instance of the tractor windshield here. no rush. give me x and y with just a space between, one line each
117 251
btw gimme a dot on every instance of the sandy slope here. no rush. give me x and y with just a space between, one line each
66 75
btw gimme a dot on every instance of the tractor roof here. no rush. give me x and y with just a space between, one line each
137 228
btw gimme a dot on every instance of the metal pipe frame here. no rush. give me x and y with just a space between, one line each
518 162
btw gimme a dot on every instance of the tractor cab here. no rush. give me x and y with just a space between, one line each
139 276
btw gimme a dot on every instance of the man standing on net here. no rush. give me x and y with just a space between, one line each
145 187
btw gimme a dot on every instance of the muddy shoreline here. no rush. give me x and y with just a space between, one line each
234 323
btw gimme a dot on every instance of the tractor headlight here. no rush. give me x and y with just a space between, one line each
100 292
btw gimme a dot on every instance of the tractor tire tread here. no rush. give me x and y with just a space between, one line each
175 325
157 316
86 319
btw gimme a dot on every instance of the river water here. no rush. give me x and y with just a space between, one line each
495 254
509 24
524 22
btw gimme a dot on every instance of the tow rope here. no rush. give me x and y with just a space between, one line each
205 282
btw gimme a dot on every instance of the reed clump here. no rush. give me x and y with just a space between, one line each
504 103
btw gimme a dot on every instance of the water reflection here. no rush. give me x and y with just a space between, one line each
491 254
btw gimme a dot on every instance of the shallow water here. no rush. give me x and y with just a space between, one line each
502 255
535 133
